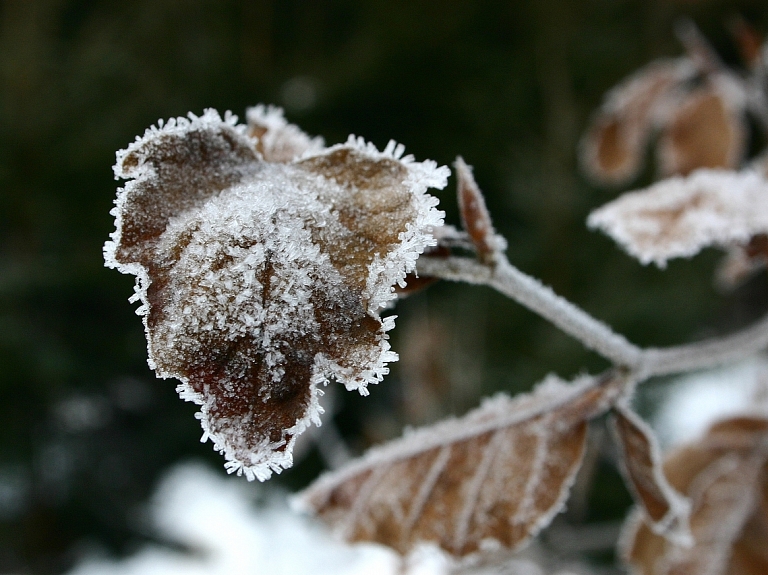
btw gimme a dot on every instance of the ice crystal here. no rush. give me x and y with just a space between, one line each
263 260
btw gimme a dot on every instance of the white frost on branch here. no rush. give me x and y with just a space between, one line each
678 217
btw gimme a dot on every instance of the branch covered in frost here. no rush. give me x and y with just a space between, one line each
592 333
707 353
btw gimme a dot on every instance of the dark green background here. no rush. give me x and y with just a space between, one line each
86 428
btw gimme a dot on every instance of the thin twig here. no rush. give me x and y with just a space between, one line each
593 333
699 49
531 293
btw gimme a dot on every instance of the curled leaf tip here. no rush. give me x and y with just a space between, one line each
263 260
475 216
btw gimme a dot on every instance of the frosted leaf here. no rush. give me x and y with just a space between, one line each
493 478
680 216
474 215
724 475
705 130
666 511
261 280
277 140
696 104
613 148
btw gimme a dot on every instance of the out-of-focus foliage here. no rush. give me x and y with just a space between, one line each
86 429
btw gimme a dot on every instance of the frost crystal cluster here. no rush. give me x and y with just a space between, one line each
263 259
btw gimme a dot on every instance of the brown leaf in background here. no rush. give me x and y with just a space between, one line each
724 475
613 148
706 130
474 215
262 280
667 512
494 477
747 38
680 216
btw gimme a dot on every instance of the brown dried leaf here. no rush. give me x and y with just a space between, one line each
494 477
474 215
613 148
724 475
705 131
678 217
261 280
277 140
666 511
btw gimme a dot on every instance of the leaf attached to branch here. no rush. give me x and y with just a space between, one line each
260 279
666 511
475 217
494 477
724 475
613 148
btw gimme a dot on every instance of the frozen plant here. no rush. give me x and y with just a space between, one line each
264 260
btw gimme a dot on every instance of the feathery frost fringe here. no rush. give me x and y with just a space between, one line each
383 273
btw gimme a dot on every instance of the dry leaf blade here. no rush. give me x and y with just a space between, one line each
724 475
475 216
494 477
667 512
678 217
613 148
261 280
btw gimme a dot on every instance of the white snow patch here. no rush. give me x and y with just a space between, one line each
696 401
217 519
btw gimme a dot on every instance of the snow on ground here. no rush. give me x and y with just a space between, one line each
217 518
695 401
